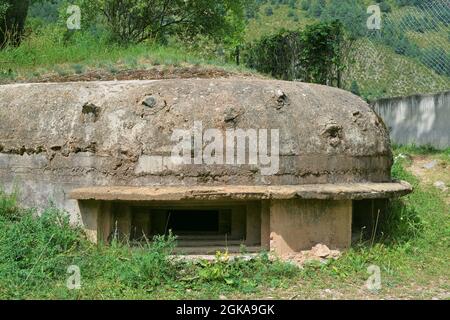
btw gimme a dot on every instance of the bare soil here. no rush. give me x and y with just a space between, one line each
154 73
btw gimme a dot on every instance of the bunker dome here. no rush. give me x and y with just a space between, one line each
271 164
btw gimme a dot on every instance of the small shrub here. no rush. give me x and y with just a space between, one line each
8 206
78 68
150 266
310 55
60 71
34 249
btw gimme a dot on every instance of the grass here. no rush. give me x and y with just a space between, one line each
411 249
423 150
51 53
36 252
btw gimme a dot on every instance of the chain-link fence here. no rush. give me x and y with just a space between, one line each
397 47
409 52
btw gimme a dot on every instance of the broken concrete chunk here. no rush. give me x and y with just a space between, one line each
149 102
321 251
281 99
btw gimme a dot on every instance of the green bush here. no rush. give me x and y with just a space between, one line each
355 88
311 55
351 14
34 250
45 10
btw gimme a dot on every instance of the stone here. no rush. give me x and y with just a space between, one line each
440 185
149 102
321 251
230 115
430 165
335 254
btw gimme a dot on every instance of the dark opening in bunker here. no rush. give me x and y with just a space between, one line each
198 227
190 221
367 216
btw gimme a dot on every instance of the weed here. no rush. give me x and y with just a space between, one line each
78 68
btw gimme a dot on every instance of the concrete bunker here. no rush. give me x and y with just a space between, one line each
283 219
102 150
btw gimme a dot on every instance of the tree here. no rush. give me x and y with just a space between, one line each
311 55
12 21
139 20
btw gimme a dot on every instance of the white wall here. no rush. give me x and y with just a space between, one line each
419 120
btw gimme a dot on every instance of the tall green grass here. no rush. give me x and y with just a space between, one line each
50 50
36 251
413 241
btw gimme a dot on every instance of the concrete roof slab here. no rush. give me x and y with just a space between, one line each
353 191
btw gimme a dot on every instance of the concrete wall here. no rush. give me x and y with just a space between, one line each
297 225
281 226
419 120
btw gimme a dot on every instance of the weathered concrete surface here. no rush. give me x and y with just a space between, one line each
419 120
298 225
355 191
58 137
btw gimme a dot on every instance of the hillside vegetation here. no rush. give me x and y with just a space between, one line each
409 55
